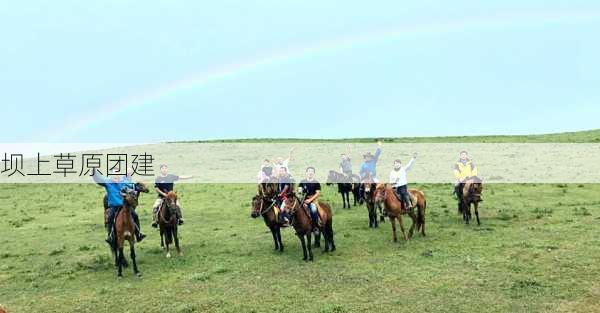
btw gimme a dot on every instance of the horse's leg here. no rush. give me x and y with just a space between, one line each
331 242
279 239
414 223
477 212
176 238
133 261
301 237
274 233
348 198
326 237
121 257
167 239
370 211
162 238
393 221
402 228
308 246
318 240
467 214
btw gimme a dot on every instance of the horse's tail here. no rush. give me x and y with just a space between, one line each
421 214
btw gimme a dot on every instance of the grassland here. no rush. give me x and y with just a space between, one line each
536 251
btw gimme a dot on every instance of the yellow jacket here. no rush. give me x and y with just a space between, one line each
462 171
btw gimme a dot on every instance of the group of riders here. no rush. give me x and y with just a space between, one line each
115 184
278 171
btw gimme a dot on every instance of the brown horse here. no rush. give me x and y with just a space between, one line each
471 194
167 223
125 230
303 225
368 189
396 208
264 206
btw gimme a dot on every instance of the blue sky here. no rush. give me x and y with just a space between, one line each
509 67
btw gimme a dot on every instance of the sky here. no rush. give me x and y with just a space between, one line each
154 71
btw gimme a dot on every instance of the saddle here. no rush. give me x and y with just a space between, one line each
413 199
319 213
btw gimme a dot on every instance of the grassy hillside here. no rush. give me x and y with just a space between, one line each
567 137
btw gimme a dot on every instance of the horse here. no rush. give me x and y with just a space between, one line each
303 225
139 188
167 223
125 230
471 194
264 206
346 185
368 188
395 208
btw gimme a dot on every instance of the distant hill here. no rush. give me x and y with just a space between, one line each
589 136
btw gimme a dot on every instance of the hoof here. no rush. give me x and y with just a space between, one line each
119 277
138 275
168 255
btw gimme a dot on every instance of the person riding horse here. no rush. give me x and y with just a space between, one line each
284 190
368 169
399 180
165 183
311 189
346 164
464 169
114 186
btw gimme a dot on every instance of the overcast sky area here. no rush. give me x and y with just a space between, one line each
150 71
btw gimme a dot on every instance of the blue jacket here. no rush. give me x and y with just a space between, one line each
370 166
113 190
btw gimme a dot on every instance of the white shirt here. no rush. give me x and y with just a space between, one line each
398 177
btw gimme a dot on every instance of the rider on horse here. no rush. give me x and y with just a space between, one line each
265 173
284 191
113 187
311 189
463 170
345 164
164 183
281 162
399 181
368 169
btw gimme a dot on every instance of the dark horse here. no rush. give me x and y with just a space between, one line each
303 226
124 231
346 185
167 223
372 205
471 194
263 204
138 188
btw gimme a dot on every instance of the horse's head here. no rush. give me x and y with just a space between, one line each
171 199
331 178
473 188
130 197
141 187
379 193
257 205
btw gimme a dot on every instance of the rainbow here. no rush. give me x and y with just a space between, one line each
148 97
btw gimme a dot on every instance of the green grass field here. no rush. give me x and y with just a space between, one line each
537 250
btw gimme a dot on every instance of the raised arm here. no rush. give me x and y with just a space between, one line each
98 178
186 177
410 163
